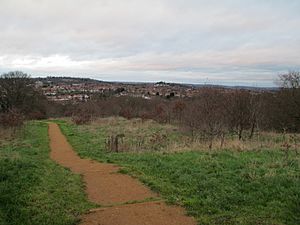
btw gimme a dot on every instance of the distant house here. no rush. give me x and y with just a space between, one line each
39 84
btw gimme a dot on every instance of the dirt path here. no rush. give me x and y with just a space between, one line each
113 191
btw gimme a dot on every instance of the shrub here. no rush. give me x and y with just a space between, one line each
37 115
81 118
126 113
11 119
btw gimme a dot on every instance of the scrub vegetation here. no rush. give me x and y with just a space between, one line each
253 186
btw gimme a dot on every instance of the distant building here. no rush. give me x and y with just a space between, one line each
39 84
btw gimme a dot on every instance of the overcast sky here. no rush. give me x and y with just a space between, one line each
235 42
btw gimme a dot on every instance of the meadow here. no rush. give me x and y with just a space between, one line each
256 184
33 189
246 183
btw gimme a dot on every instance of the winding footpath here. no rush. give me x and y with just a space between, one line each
123 199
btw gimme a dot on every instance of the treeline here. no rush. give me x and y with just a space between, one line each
214 113
67 80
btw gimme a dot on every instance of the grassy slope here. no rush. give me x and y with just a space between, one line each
34 190
218 187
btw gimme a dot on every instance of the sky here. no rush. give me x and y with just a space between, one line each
229 42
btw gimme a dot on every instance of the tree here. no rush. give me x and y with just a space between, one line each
255 112
207 115
14 87
290 80
289 100
178 108
17 92
240 112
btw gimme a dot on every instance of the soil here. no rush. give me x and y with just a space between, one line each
123 199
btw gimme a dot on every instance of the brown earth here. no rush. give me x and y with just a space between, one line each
115 192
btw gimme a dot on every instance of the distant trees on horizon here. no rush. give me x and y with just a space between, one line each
214 113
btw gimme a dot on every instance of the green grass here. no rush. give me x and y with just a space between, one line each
217 187
33 189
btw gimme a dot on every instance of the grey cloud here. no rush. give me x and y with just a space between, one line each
180 40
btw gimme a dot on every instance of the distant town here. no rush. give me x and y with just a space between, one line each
62 89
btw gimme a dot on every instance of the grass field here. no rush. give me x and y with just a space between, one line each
33 189
258 187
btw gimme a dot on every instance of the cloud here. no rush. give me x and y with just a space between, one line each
242 41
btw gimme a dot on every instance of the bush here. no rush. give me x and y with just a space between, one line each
11 119
81 118
126 113
37 115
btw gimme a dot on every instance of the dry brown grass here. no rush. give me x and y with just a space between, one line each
262 140
149 135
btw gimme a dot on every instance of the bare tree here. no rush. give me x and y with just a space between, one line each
290 80
207 115
17 92
240 112
255 112
289 99
178 109
14 89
